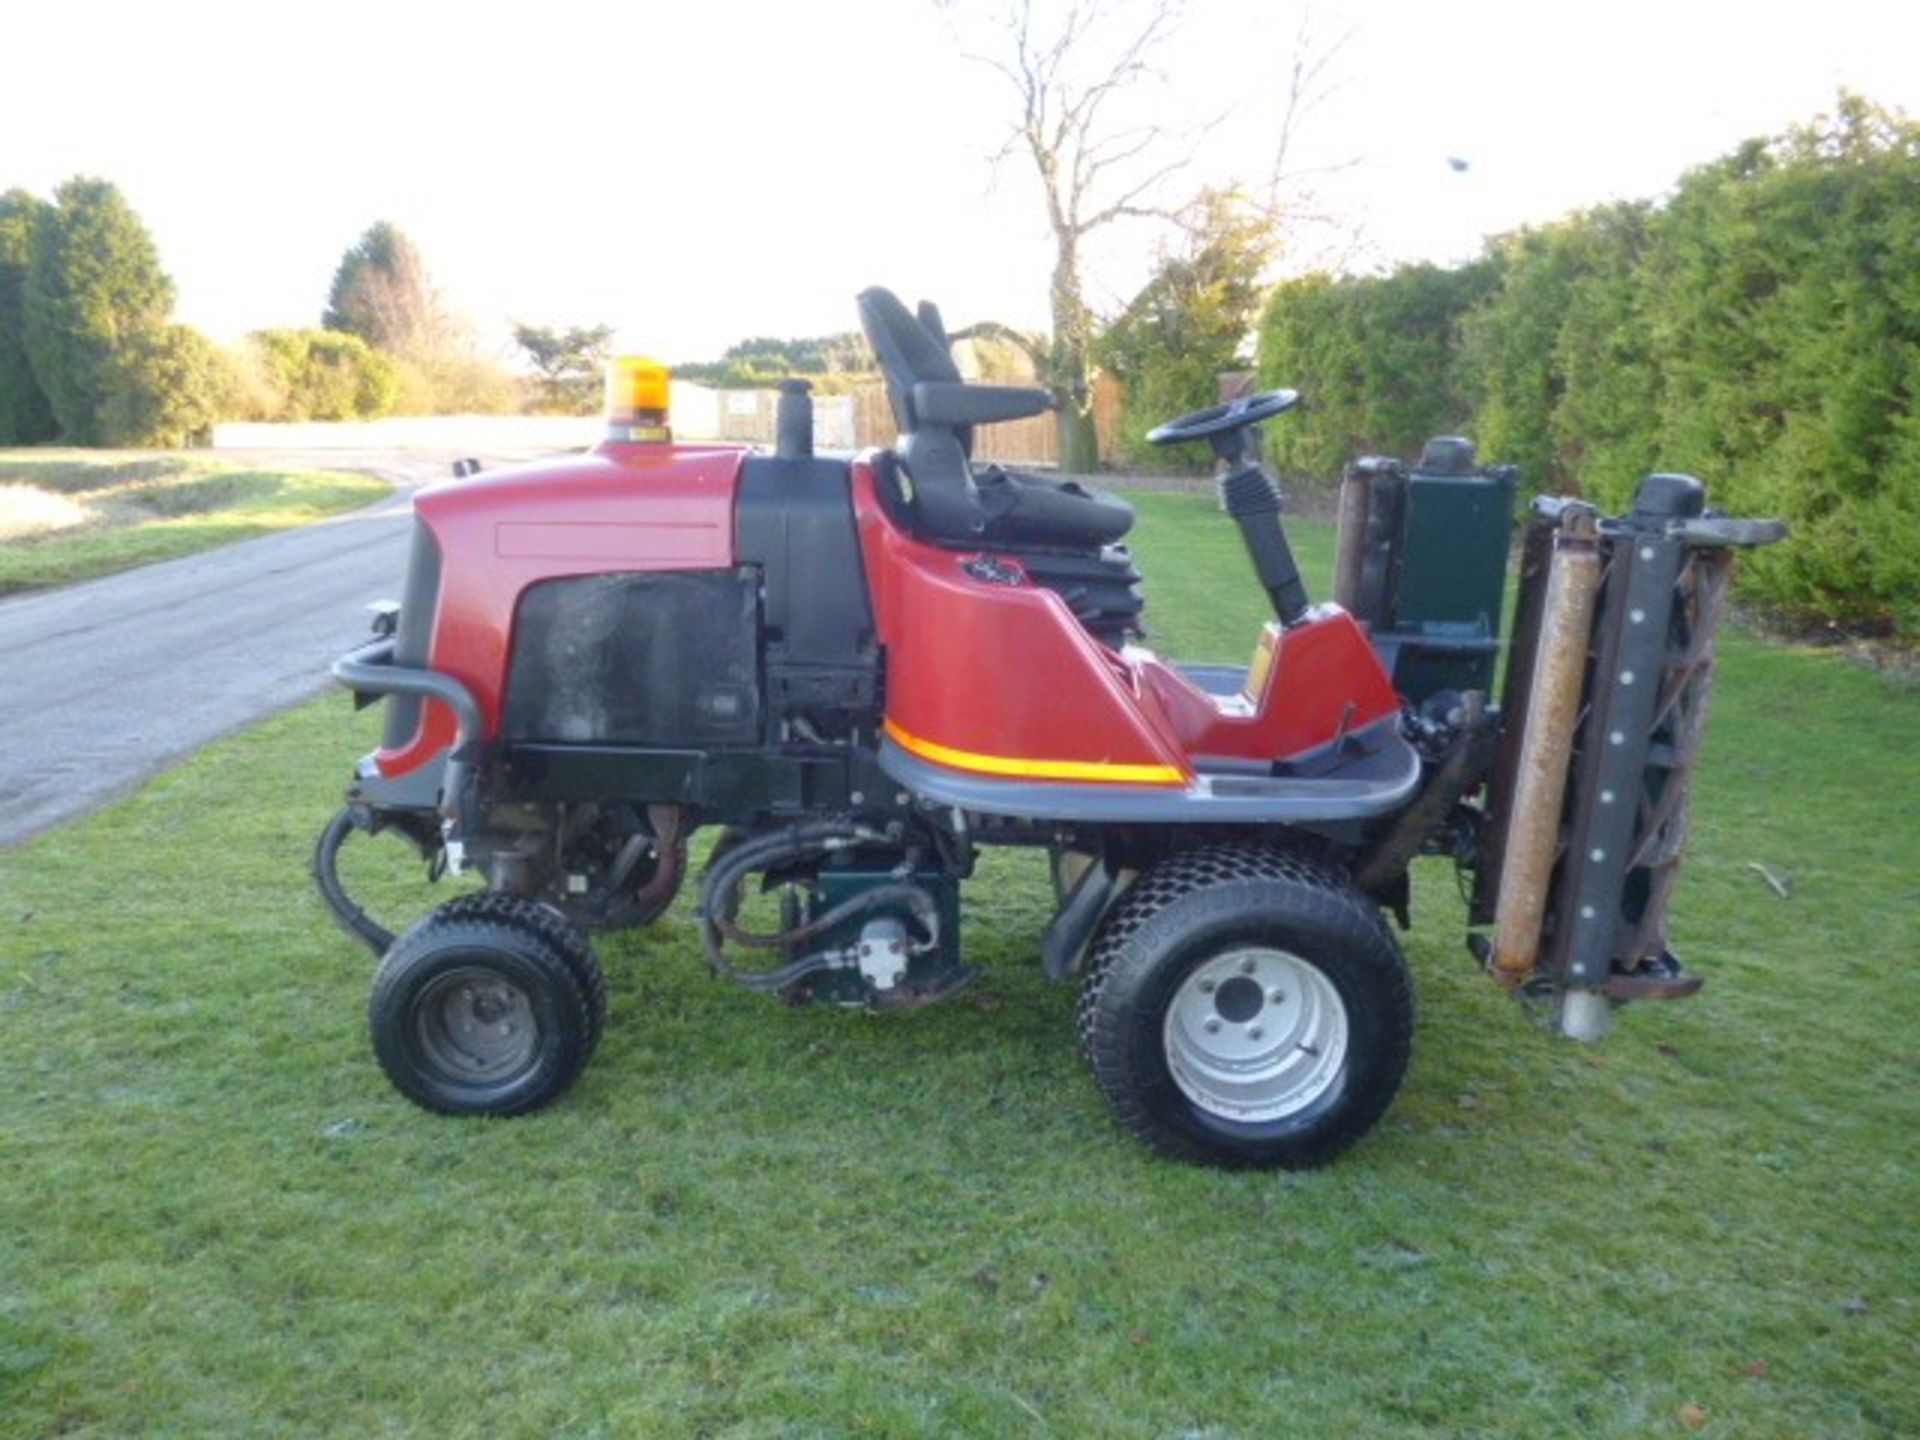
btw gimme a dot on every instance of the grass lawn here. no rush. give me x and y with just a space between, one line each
70 515
217 1219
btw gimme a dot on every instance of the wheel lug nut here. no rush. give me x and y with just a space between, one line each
1213 1027
1246 966
1206 987
1278 997
1257 1033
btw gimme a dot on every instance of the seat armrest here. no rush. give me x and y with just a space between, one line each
949 402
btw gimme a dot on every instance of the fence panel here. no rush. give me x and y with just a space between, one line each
1033 441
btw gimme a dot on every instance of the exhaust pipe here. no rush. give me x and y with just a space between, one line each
793 421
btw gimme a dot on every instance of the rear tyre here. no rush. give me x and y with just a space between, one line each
1245 1006
479 1010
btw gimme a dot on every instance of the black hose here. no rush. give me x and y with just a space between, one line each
719 901
326 874
763 852
719 895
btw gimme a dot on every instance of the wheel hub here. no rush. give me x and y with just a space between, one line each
475 1025
1255 1034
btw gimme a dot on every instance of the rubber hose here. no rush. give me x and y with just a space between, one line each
718 901
718 898
326 874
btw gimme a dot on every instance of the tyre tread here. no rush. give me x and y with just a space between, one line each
1317 890
507 926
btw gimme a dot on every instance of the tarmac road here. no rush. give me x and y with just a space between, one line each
104 682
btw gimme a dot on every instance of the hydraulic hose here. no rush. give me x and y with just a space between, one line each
720 897
326 874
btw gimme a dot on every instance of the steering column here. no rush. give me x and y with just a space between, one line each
1248 491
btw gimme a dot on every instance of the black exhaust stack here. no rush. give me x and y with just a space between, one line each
793 421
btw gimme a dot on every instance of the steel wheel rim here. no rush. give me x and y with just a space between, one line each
475 1026
1255 1034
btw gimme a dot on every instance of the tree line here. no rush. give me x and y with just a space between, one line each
1759 328
90 352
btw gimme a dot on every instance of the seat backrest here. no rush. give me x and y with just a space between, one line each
909 351
934 456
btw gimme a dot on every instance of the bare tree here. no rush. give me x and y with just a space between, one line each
1292 196
1099 162
1309 84
1093 171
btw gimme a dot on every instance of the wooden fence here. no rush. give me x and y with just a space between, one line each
863 418
1033 441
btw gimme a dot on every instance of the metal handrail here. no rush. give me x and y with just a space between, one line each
370 670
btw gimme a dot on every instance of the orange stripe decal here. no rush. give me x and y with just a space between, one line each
1098 770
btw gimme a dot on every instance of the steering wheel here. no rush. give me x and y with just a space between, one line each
1224 418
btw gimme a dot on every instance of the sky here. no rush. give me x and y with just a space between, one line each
695 173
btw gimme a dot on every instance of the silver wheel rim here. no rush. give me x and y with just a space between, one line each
475 1026
1255 1034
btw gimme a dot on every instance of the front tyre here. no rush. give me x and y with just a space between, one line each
1244 1005
476 1011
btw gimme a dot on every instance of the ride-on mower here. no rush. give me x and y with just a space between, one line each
862 670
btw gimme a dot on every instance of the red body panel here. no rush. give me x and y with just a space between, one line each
1324 677
983 675
999 672
1001 679
620 507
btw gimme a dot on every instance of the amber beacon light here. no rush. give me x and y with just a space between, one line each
637 390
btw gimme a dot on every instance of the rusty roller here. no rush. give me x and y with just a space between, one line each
1553 706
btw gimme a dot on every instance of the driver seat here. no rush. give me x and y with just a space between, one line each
936 412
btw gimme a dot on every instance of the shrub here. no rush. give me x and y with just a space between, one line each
1188 324
1375 358
1784 293
1761 330
453 383
320 375
765 360
250 386
164 393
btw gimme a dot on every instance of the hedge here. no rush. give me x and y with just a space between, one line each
1760 328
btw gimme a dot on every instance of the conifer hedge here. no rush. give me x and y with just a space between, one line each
1759 328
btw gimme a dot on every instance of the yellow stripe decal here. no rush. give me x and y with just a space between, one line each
1034 769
